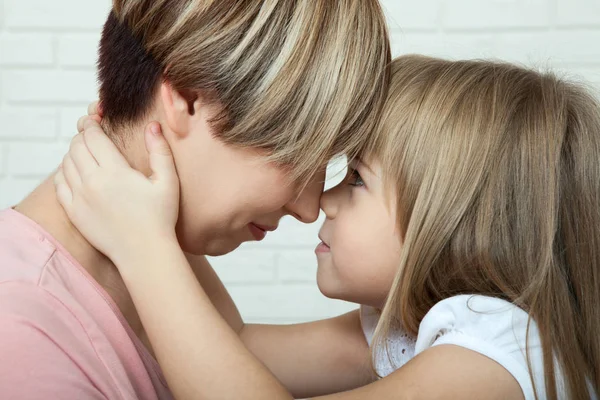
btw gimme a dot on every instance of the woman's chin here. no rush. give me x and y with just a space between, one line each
212 247
217 248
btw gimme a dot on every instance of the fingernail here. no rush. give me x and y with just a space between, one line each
155 129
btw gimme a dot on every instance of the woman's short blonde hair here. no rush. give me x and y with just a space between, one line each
304 79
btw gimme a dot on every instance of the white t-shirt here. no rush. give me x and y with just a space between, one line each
492 327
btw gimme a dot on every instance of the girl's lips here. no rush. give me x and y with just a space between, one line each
258 233
322 248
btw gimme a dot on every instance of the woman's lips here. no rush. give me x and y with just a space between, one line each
256 231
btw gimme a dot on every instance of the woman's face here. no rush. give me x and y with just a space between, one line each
231 195
360 250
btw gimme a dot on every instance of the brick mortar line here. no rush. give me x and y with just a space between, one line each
4 166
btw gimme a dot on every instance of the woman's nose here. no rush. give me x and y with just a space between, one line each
305 208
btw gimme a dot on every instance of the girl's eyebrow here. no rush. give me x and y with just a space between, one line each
361 163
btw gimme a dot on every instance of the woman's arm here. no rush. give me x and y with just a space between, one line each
315 358
309 359
444 372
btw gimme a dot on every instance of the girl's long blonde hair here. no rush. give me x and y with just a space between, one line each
497 170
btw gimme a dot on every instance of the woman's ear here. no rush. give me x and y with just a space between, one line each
179 109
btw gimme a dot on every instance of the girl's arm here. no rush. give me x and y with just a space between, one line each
203 358
329 356
216 291
176 313
187 333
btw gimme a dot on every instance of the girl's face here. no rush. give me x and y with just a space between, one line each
360 250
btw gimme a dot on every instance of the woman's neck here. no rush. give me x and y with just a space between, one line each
43 207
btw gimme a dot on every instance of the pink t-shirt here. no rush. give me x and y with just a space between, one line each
61 334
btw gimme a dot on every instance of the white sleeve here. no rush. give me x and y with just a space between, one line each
492 327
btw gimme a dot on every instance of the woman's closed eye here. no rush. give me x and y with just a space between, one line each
354 178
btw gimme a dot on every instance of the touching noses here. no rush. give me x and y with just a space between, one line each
330 201
305 207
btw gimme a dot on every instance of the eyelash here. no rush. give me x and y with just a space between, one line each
354 178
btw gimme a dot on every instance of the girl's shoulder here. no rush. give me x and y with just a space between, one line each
490 326
489 319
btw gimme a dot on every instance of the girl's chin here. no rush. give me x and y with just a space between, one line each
333 289
328 285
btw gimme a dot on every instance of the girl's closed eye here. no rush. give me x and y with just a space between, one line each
354 178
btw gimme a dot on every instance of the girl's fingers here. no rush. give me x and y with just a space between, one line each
100 146
63 191
70 173
159 153
93 108
81 156
81 121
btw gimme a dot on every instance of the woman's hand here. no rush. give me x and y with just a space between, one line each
116 208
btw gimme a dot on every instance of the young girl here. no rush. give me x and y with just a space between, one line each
469 234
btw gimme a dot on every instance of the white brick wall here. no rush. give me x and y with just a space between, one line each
47 77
